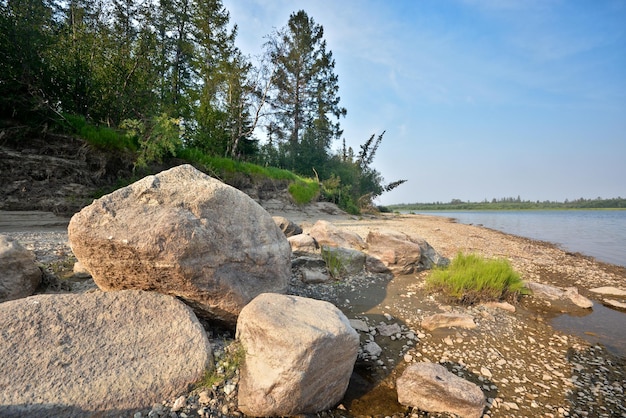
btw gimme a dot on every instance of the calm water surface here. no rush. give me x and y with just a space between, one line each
598 233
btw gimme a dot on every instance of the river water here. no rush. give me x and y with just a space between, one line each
597 233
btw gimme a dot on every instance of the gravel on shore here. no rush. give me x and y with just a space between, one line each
523 365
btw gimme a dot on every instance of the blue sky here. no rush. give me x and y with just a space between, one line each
479 99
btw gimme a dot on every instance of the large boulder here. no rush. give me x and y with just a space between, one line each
299 355
97 353
19 275
326 233
430 387
402 253
185 234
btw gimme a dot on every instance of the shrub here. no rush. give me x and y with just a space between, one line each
304 190
471 278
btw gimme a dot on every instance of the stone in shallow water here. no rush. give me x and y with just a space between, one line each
609 290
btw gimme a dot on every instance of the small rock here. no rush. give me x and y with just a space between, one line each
372 349
359 325
388 330
179 404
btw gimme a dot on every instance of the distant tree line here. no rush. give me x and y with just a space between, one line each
167 74
514 204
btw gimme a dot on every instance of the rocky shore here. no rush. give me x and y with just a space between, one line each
522 364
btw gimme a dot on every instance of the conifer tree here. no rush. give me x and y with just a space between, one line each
305 102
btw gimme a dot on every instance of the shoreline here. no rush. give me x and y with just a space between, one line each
523 364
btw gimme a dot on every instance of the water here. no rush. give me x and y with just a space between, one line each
597 233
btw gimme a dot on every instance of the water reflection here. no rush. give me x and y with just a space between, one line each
601 325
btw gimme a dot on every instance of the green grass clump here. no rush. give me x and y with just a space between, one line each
304 190
470 279
100 136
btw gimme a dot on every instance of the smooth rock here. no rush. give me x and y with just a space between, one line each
430 387
303 243
578 299
505 306
609 291
186 234
19 275
299 355
359 325
448 320
326 233
98 353
615 303
314 276
402 253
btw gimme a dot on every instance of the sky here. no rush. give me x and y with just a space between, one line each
479 99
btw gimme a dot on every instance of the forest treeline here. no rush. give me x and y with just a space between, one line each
514 204
166 78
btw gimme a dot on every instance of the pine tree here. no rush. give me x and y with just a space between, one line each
305 102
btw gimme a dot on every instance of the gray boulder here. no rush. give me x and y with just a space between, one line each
19 275
343 261
97 354
402 253
185 234
430 387
299 355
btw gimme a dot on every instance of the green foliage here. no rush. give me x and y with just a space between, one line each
100 136
304 190
470 279
305 100
159 138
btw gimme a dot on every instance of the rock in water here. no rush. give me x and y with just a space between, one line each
19 275
97 354
430 387
185 234
299 355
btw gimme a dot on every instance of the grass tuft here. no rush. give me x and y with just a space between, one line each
471 279
304 190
